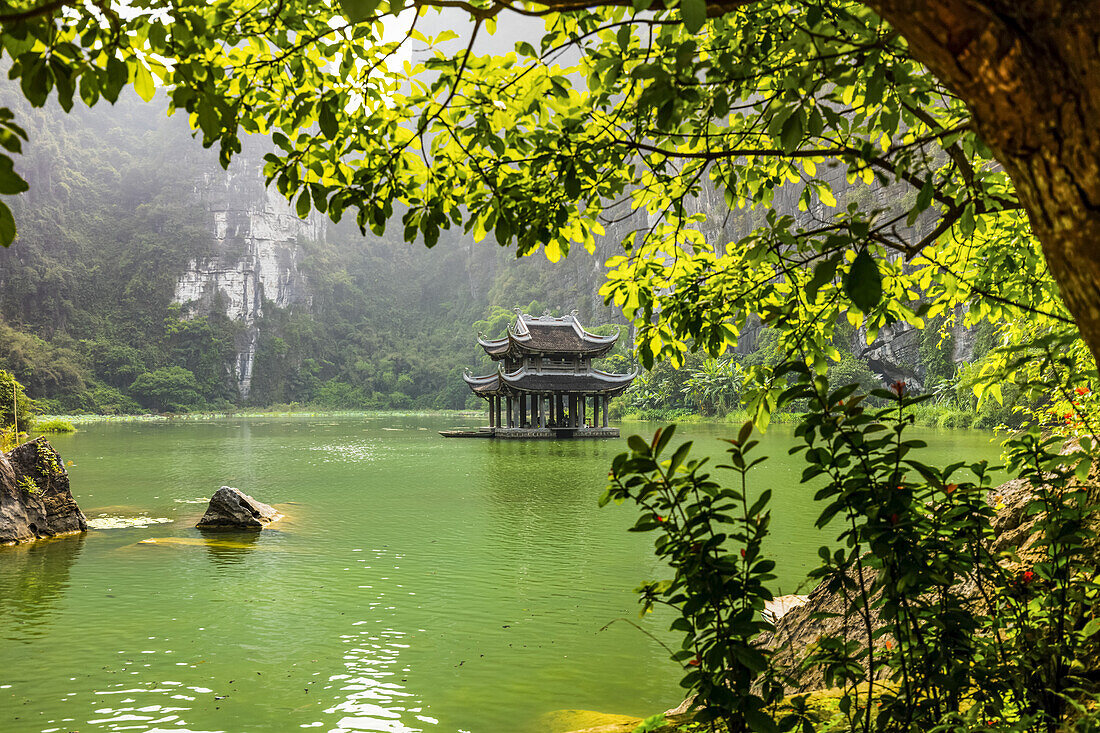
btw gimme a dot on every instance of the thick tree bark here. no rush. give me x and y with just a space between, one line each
1029 70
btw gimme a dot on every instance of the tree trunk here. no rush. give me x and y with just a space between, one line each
1029 70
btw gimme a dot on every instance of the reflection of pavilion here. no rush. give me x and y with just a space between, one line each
545 382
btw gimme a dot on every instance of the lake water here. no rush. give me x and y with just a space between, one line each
417 584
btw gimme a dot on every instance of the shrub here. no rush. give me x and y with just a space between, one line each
55 425
939 632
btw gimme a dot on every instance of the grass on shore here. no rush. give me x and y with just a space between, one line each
53 425
927 415
277 411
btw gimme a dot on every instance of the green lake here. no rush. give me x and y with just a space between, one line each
417 584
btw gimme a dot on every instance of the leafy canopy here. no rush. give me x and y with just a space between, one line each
854 186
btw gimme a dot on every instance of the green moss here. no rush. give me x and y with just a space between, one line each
28 485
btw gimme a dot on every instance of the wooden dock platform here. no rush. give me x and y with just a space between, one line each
532 433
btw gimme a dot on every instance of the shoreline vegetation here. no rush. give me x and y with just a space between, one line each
931 416
927 415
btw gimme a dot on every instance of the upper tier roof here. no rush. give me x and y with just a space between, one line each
547 335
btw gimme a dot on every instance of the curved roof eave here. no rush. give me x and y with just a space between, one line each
617 377
587 335
484 379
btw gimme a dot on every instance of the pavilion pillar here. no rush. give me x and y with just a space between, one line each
511 412
558 404
491 411
496 410
544 404
606 399
574 411
584 410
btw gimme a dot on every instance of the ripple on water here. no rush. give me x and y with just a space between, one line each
364 451
373 700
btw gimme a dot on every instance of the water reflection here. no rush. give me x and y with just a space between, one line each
228 547
33 578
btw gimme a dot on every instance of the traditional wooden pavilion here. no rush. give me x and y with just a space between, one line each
544 385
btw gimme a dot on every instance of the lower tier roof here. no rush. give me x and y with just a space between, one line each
523 381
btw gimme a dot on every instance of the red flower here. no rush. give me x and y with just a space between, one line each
742 552
693 663
660 518
1082 390
1028 576
950 488
898 387
888 644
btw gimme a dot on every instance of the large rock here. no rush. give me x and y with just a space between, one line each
35 501
233 509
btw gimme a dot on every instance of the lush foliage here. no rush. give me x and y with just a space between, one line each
942 627
718 595
832 153
112 221
16 409
620 114
54 425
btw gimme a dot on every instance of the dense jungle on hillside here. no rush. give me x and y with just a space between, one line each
116 212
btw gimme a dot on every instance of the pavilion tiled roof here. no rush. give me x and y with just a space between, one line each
592 381
547 335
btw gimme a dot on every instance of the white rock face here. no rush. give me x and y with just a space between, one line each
256 258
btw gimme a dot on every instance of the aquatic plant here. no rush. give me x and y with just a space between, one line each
54 425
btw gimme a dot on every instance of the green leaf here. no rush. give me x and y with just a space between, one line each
791 134
358 11
652 723
10 181
303 205
326 119
694 13
863 283
143 81
760 721
824 272
7 225
1091 627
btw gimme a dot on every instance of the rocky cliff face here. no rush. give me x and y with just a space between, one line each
256 259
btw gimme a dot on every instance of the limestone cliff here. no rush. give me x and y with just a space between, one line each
256 258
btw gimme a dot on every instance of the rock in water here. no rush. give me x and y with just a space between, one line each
233 509
35 500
